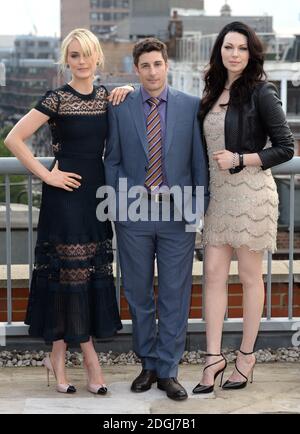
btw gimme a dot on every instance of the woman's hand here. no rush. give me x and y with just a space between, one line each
224 159
64 180
119 94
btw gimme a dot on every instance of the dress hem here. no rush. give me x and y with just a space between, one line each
238 246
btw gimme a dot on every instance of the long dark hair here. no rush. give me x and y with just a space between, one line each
216 75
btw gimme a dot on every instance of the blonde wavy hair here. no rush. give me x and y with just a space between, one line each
89 44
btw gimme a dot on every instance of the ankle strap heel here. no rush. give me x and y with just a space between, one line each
212 355
240 384
201 388
246 354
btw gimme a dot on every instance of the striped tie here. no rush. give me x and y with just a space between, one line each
154 177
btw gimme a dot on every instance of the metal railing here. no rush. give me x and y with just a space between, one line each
11 166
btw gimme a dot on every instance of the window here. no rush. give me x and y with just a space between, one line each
107 17
43 44
94 3
196 85
122 4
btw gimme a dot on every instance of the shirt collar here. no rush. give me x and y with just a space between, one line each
163 96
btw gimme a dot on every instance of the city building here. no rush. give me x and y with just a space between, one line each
99 16
30 71
103 17
187 7
151 19
118 67
6 46
36 47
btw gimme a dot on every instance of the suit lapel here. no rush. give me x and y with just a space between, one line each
136 107
172 116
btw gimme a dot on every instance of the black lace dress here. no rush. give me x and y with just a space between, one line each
72 294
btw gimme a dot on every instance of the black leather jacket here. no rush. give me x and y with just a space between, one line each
248 127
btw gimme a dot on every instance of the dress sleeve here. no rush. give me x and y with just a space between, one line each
48 104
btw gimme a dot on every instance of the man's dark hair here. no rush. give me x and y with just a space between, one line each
148 45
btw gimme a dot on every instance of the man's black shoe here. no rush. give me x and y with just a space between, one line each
173 388
144 381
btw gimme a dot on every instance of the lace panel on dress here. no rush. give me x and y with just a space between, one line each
50 101
74 105
75 264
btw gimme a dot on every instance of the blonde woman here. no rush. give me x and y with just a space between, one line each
72 297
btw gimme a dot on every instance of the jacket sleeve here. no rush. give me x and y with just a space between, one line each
276 126
200 164
112 156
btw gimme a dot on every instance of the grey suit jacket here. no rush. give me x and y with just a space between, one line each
126 154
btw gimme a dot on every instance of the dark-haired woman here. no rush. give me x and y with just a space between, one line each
240 109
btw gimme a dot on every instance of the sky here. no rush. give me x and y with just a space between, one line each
21 16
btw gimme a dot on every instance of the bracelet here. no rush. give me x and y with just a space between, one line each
241 157
235 160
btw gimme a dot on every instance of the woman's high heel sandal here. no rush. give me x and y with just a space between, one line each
61 388
96 389
239 384
201 388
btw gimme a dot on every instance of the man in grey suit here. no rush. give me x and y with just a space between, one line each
154 142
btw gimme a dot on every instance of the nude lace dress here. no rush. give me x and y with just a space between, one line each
243 208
